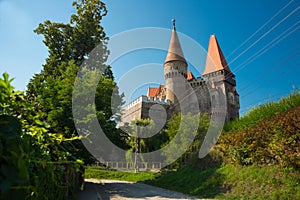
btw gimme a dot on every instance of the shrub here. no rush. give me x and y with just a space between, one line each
32 164
272 141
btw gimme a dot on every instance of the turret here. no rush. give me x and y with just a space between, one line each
219 74
175 69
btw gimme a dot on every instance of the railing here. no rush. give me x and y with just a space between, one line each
130 166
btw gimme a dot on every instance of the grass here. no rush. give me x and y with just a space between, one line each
257 182
225 182
204 183
264 111
97 173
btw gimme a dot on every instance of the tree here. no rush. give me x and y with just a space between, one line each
68 45
183 123
143 140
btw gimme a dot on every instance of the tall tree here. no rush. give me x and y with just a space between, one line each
68 45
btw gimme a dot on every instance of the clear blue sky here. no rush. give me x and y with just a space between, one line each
267 77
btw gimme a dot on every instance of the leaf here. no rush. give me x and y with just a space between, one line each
39 122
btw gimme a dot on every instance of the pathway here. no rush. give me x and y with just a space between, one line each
123 190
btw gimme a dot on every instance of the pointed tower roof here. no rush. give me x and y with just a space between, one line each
215 59
174 52
190 76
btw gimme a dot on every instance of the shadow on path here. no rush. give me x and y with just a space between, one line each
113 190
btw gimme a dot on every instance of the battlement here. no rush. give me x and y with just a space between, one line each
197 82
146 99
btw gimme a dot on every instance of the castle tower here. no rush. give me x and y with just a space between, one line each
175 69
222 81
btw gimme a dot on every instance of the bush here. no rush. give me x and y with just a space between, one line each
32 164
272 141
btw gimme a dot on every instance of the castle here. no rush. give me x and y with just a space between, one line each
216 86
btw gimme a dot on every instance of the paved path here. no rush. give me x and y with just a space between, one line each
123 190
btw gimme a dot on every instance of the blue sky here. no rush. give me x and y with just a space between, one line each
259 78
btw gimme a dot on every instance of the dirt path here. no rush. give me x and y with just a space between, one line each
122 190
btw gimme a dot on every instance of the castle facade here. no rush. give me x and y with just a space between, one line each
216 87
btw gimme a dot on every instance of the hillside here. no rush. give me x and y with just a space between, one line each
272 136
263 112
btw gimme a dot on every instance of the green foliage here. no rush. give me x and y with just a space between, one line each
27 152
94 172
184 123
272 141
76 39
51 90
14 169
264 111
140 130
144 143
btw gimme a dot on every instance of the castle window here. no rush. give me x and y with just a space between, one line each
231 97
213 99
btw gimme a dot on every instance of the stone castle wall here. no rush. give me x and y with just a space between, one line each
139 108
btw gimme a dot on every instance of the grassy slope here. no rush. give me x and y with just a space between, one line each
264 111
233 182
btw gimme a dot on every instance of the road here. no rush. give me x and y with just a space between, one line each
123 190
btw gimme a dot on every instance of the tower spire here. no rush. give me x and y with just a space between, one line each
173 21
215 59
175 52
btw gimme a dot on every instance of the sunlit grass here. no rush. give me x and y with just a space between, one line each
97 173
264 111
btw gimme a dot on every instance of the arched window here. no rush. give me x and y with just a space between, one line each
231 97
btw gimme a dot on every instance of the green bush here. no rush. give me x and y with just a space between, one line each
32 164
272 141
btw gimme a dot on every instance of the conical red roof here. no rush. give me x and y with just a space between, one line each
215 59
175 52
